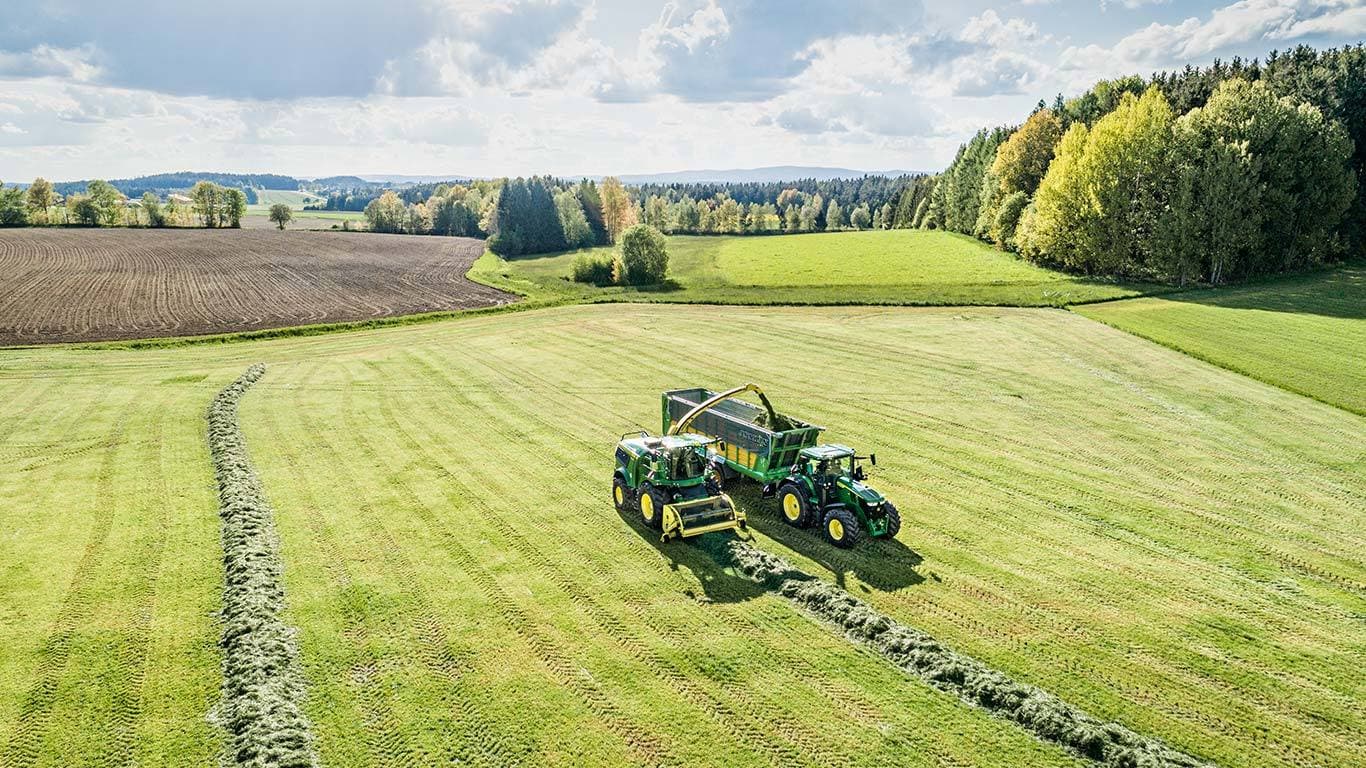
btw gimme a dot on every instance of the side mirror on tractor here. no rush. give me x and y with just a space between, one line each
872 457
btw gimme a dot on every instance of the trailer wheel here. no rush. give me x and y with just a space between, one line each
793 507
841 527
651 507
621 495
893 519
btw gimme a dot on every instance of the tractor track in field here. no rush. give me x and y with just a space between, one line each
261 707
382 734
803 749
1156 748
805 743
1190 714
148 562
435 647
740 625
31 726
646 747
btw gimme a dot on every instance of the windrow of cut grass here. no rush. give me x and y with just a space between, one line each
263 691
1305 333
1050 718
895 267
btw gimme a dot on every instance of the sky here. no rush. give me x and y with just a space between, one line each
92 88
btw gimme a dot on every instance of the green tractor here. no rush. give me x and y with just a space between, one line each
816 483
674 485
825 487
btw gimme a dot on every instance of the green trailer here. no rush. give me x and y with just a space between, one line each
815 484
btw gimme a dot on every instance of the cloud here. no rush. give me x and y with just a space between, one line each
744 51
78 64
1240 23
804 120
1001 73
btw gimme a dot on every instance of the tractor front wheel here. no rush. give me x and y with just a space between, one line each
651 507
792 505
893 519
842 527
621 495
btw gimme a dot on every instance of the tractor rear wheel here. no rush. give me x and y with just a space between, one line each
792 505
893 519
651 507
621 495
842 527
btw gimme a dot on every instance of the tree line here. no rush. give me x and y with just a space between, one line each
100 204
1203 175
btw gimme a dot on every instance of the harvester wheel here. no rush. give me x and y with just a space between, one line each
621 495
792 505
893 519
651 507
842 528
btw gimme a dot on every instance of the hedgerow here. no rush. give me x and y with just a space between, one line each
263 689
1109 744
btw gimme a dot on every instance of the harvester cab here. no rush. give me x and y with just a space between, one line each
674 484
826 487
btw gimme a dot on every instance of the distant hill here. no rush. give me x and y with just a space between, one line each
163 183
398 178
766 175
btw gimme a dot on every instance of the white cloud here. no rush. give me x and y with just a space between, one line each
76 64
1195 40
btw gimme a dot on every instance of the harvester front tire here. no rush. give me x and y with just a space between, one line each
652 507
893 519
793 507
621 495
841 528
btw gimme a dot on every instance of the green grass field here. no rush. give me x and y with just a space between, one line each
294 199
1305 333
902 267
1159 541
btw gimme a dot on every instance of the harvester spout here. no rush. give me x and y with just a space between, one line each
686 421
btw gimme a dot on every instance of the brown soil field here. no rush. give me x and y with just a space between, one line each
65 285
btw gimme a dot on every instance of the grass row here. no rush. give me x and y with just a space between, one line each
263 691
1050 718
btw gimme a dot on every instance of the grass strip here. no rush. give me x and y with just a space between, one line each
263 688
1048 717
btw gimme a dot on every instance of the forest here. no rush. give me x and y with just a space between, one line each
1205 175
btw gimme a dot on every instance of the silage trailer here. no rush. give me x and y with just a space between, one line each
815 484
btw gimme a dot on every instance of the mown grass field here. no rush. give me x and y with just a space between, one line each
902 267
110 566
1159 541
1305 333
265 198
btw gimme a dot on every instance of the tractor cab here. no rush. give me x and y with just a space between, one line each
826 487
674 484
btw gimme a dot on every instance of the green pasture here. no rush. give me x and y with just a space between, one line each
1156 540
1305 333
901 267
294 199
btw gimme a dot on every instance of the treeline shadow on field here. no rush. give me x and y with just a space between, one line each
1331 292
882 564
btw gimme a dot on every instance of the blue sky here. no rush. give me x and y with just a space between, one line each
317 87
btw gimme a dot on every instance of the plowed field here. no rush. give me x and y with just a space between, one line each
96 285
